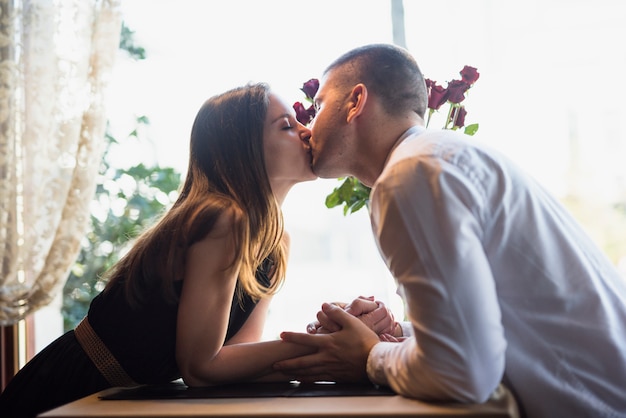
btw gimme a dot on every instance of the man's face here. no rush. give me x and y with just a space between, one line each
331 149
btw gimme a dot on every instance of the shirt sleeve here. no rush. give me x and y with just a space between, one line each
427 216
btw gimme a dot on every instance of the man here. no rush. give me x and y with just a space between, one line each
499 282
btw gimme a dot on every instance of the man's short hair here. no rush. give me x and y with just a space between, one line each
388 71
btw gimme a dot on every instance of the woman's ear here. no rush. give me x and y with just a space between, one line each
356 101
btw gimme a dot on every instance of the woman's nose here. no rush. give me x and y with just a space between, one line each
305 134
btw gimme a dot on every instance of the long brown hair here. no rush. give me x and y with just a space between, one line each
226 170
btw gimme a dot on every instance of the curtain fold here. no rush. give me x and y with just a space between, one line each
56 58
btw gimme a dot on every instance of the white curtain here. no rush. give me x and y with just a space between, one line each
56 58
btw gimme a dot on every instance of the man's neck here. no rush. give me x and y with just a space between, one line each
379 154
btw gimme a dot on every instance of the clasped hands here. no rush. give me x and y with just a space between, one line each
371 312
343 337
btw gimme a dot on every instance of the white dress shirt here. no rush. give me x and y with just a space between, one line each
499 282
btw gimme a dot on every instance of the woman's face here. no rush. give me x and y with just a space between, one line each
285 143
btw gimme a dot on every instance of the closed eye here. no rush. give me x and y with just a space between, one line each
290 123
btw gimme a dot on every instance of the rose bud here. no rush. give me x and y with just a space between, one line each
437 95
469 74
302 115
311 112
310 88
456 90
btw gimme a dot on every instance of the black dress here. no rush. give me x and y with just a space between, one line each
142 340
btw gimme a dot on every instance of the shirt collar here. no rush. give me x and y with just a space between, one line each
412 132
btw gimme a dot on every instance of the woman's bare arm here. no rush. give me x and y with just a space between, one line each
203 317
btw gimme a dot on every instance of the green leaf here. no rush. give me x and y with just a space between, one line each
358 205
333 199
471 129
352 194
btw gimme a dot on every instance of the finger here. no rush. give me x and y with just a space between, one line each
388 338
348 306
302 366
301 338
386 326
338 315
382 319
378 314
325 322
361 306
313 327
322 330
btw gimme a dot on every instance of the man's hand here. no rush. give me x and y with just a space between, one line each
341 356
323 325
371 312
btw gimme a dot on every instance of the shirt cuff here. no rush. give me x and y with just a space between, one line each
376 363
407 328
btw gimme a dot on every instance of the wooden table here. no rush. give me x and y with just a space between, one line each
501 405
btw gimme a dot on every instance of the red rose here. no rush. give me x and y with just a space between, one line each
437 95
301 114
311 111
459 119
304 115
456 90
310 88
469 74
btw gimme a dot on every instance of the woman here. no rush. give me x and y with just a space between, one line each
194 289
